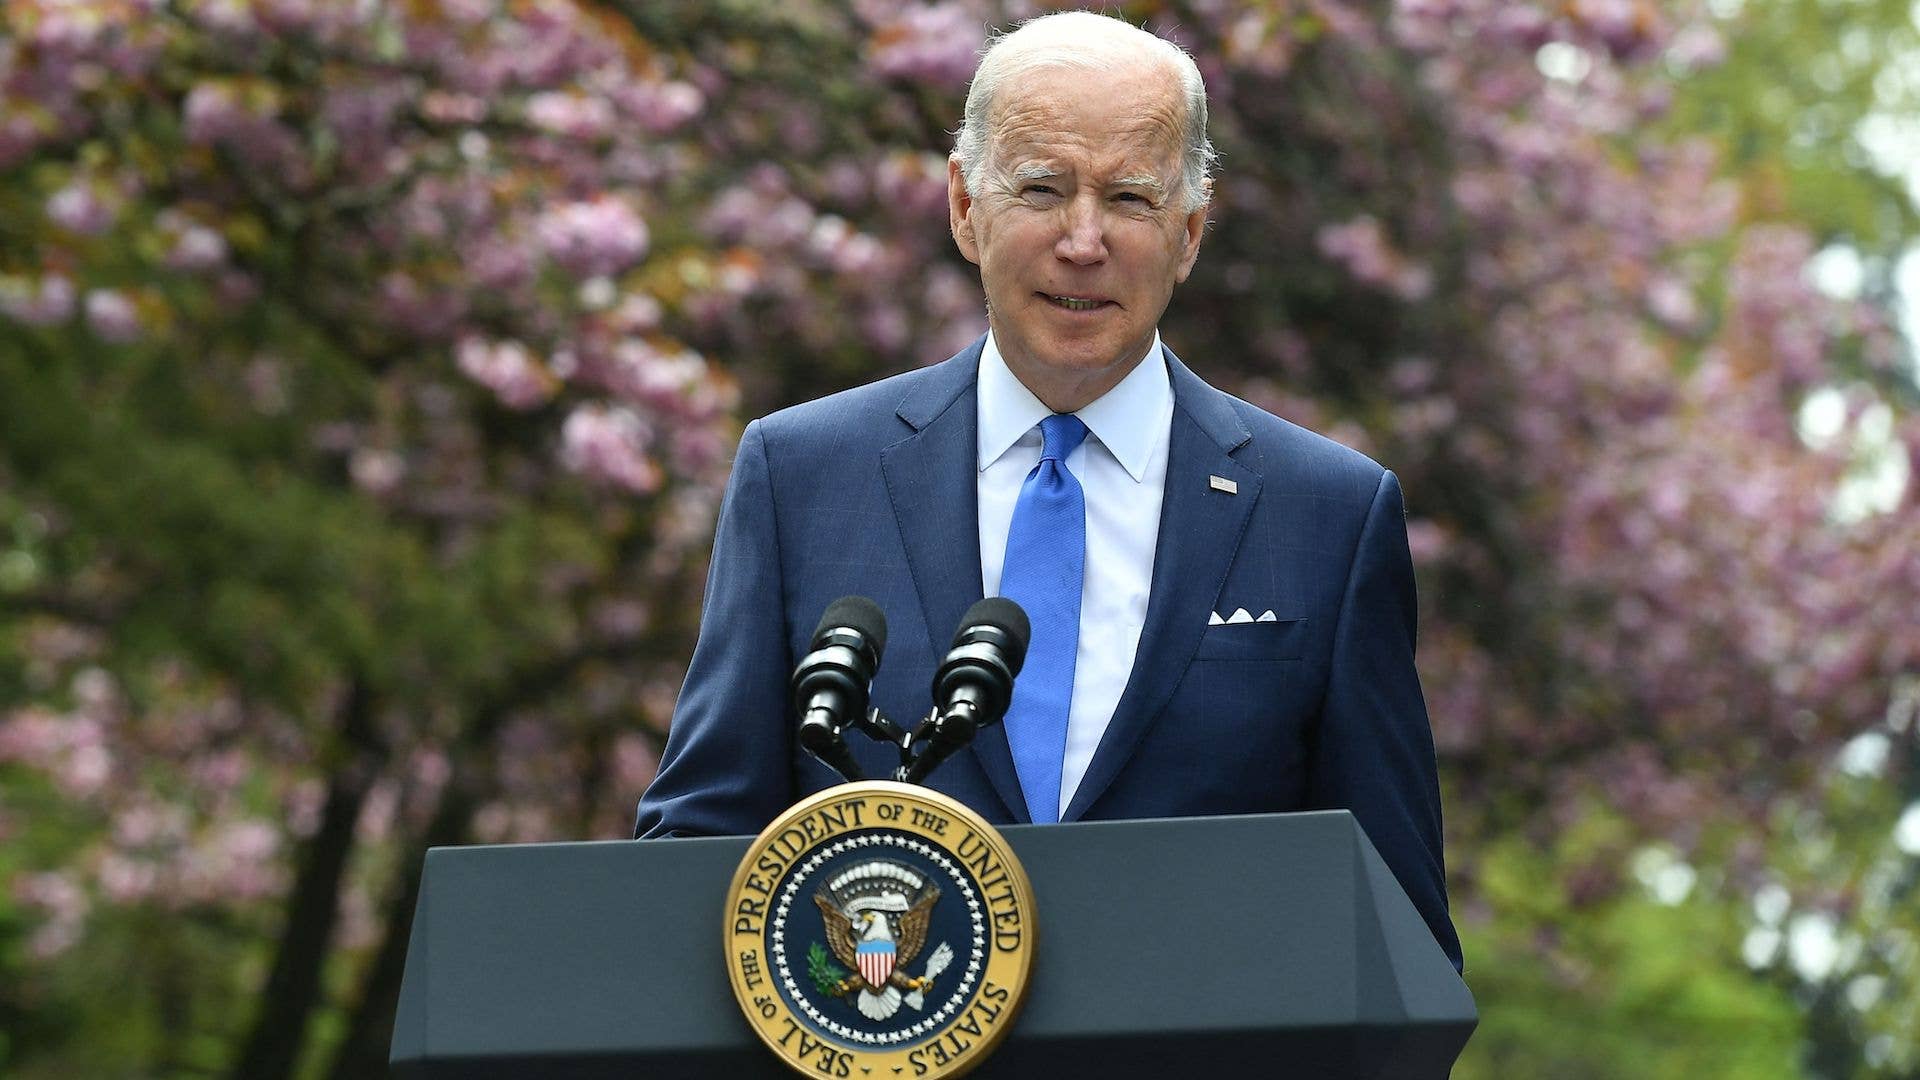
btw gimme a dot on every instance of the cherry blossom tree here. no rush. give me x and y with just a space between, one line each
357 490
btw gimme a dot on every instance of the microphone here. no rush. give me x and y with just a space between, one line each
831 683
974 684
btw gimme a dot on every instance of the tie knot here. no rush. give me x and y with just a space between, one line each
1060 434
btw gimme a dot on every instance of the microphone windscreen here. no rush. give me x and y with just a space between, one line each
998 611
861 614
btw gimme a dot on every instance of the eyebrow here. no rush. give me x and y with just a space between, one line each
1037 171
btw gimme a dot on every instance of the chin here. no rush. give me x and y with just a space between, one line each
1093 355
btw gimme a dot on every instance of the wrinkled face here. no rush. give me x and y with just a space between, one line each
1079 230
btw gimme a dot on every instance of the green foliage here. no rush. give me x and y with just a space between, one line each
1624 986
826 974
1788 104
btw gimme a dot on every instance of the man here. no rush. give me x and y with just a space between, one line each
1223 603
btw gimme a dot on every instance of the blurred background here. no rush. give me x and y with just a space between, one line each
369 371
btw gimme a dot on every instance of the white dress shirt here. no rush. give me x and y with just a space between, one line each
1122 468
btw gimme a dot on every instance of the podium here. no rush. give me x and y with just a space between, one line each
1263 945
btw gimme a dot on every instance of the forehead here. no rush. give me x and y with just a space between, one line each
1126 116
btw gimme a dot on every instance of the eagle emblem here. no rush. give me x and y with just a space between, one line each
876 915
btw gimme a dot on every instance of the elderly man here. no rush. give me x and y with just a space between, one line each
1222 603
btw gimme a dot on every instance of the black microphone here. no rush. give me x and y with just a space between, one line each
831 684
975 682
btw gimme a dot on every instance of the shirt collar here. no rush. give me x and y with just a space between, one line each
1122 418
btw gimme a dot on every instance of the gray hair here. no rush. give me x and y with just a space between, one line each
1093 42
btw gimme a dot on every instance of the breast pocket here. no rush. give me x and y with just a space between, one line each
1282 640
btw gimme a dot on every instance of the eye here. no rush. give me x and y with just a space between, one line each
1039 189
1132 197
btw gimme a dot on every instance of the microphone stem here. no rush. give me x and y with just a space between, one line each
825 742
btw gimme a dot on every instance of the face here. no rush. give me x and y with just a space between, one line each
1079 230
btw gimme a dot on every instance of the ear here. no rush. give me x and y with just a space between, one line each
1195 226
960 213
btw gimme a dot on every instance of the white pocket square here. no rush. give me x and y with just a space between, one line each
1240 615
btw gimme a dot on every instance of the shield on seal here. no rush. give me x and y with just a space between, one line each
876 962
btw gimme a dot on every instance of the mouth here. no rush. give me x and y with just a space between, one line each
1074 303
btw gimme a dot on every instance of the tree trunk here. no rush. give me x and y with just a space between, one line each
272 1048
363 1052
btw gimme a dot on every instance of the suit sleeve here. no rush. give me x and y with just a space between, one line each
1374 753
726 770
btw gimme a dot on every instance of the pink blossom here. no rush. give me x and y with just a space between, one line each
761 218
665 107
124 880
112 316
598 237
637 313
576 116
937 44
1672 303
447 107
846 251
500 262
1625 27
221 771
146 823
913 185
303 806
85 771
469 12
641 373
19 134
610 444
886 328
66 907
216 114
377 813
508 369
287 17
1362 247
236 288
1696 48
363 117
430 768
377 472
70 28
52 891
197 248
32 736
634 761
50 300
213 113
232 17
409 305
250 840
78 207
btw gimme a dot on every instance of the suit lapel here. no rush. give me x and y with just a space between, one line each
939 526
1200 532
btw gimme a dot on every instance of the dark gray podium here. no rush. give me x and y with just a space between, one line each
1267 945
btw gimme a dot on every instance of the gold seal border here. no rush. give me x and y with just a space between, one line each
1008 970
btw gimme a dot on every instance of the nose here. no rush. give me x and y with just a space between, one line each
1083 239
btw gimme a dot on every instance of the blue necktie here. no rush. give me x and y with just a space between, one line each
1045 565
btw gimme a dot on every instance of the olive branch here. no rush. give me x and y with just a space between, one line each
827 976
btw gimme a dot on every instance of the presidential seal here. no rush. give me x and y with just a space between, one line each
879 929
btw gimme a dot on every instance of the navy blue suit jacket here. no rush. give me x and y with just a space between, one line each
872 492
